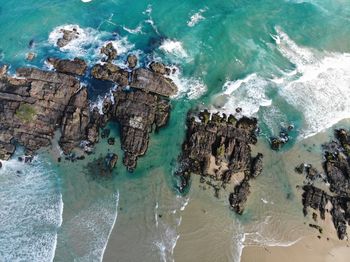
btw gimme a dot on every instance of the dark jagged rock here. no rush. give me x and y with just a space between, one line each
136 112
67 36
110 52
105 133
218 147
257 165
111 161
311 173
111 72
132 61
239 197
149 81
279 141
93 127
319 228
75 121
75 67
111 141
315 198
158 67
32 107
337 174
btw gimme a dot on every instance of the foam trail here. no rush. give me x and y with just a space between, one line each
113 224
196 18
84 226
173 47
320 87
248 94
191 88
31 211
167 231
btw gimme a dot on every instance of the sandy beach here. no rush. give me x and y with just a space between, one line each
315 247
309 249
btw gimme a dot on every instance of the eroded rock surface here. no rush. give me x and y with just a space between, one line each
337 174
75 67
67 36
34 105
218 147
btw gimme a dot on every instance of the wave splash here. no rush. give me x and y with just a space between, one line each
89 42
318 87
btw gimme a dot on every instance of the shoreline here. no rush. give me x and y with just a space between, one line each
312 247
309 248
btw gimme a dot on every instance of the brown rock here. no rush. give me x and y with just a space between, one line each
75 67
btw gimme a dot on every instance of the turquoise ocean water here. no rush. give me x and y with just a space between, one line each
285 62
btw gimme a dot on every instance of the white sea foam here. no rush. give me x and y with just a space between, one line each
196 18
89 41
192 88
94 224
167 236
248 94
173 47
135 31
31 211
320 88
113 224
86 1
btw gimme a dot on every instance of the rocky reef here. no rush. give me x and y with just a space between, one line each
218 148
36 103
334 199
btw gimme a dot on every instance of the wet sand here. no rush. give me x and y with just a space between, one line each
309 249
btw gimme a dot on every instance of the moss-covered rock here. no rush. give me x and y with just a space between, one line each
26 112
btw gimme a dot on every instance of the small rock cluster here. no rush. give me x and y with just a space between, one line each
337 174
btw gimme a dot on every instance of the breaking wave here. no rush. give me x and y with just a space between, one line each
318 87
89 41
31 211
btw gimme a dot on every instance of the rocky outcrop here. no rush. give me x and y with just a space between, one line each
75 121
218 147
141 78
159 68
34 105
110 52
74 67
111 72
132 61
137 113
337 175
149 81
67 37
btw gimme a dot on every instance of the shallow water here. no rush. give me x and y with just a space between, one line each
285 62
